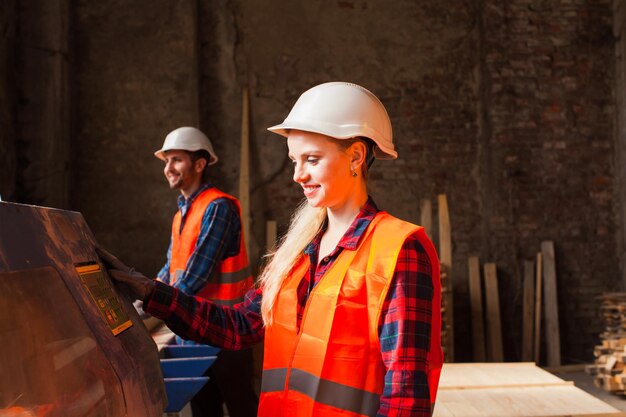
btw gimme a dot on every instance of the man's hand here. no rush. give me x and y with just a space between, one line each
139 287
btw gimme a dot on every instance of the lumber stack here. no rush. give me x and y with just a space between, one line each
512 390
608 368
539 296
486 334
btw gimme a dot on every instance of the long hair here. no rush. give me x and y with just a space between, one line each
305 224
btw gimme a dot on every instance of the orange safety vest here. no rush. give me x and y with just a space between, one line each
332 364
231 278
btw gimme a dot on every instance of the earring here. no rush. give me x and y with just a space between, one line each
354 174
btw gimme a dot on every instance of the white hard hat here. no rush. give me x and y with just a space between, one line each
343 111
187 139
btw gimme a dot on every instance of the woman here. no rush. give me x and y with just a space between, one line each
349 303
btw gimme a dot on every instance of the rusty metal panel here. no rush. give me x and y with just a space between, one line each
70 344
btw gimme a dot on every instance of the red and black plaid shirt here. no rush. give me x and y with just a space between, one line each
404 328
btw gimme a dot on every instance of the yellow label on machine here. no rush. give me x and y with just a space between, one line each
104 297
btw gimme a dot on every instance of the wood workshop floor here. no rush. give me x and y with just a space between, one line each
585 382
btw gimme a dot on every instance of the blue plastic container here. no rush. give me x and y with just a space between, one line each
180 391
191 351
186 367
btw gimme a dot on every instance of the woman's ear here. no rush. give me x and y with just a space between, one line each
358 152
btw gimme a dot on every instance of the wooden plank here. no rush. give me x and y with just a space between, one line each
494 328
553 340
244 168
537 401
426 216
445 239
512 390
499 375
476 302
270 235
538 293
445 258
528 308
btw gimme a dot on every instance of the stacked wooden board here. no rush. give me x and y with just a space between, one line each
539 296
512 390
445 259
608 368
447 293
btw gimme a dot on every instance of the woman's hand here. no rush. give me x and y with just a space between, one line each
139 287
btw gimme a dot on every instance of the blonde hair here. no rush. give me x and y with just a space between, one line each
305 224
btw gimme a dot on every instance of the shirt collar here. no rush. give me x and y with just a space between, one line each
185 203
352 237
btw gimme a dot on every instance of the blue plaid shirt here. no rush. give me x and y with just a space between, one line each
219 236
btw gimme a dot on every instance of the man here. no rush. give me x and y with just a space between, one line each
207 258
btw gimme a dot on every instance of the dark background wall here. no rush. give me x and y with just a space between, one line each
513 109
8 39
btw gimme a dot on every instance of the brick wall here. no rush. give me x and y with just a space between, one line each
507 107
550 73
504 106
620 129
136 79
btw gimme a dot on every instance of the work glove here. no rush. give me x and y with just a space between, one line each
135 283
138 304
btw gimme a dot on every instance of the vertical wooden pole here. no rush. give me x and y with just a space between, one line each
528 306
445 258
493 314
270 233
476 301
244 168
551 307
445 241
538 290
426 216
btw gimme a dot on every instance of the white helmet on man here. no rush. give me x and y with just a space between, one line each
187 139
343 111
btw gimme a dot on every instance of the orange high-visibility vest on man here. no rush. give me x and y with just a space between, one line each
207 258
331 365
232 277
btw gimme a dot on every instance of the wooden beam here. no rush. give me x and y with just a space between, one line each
244 168
476 302
528 307
494 327
553 340
538 291
445 258
270 234
512 390
426 216
445 239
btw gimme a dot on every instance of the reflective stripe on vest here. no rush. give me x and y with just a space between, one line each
327 392
332 365
231 277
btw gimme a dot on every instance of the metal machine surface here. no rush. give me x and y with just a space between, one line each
70 344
